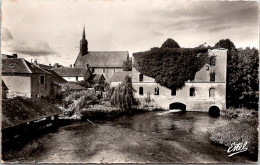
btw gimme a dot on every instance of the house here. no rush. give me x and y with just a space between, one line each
73 74
100 62
25 79
118 77
206 92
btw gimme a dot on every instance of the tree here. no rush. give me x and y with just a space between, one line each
170 43
122 96
127 65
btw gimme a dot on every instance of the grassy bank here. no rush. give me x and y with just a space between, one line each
241 126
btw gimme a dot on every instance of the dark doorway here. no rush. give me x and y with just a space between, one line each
214 111
178 106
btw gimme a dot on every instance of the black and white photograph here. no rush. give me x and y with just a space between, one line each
129 81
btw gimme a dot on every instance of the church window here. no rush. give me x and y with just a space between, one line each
212 92
173 91
141 91
141 77
213 61
192 91
156 91
212 76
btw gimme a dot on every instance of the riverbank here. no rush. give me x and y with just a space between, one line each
240 127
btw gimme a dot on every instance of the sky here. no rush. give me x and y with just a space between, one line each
50 31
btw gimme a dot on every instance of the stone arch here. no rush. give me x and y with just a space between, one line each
177 105
214 111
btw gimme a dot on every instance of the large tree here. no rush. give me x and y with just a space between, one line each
242 75
170 43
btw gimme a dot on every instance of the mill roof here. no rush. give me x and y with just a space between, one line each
71 72
20 65
119 76
102 59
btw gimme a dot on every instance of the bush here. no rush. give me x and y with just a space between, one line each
241 127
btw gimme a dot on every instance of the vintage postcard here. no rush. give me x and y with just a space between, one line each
129 81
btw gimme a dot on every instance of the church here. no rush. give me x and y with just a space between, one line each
100 62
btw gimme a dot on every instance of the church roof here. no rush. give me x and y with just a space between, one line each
102 59
71 72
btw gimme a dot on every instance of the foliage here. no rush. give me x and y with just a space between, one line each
127 65
170 43
122 96
242 75
241 126
77 100
171 67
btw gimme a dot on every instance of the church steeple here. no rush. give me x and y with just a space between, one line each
83 35
83 43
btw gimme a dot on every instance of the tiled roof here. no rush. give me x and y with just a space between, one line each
96 77
20 65
76 86
71 72
20 110
102 59
45 66
57 78
119 76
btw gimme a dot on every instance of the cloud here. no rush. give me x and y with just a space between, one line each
207 16
30 48
6 35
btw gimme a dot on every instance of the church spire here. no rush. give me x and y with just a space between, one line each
83 43
83 35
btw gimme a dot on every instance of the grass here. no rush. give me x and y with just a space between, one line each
241 126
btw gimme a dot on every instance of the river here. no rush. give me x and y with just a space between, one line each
150 137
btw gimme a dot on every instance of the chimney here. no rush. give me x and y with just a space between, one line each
31 61
56 65
71 65
35 62
15 55
49 64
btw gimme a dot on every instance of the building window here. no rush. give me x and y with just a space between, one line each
93 70
212 92
173 92
213 61
114 70
212 76
141 77
192 91
156 91
141 91
42 80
